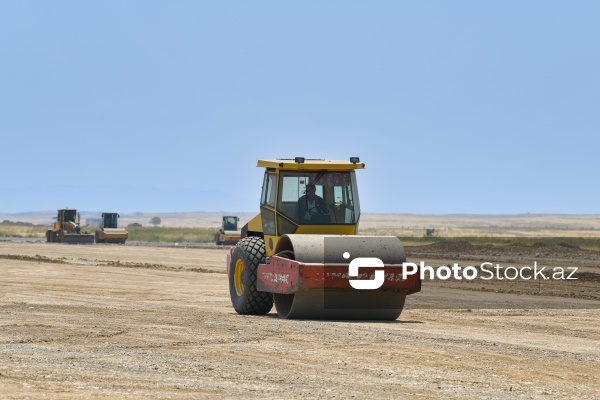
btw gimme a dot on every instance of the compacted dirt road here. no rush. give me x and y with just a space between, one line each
109 321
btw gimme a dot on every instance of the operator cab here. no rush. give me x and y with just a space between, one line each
109 220
66 215
230 223
308 198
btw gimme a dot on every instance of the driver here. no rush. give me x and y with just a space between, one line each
311 208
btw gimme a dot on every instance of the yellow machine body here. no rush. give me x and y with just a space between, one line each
273 202
67 229
109 231
228 232
294 254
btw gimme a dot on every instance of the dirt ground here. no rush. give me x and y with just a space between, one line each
110 321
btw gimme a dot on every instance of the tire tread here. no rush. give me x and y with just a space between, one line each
252 301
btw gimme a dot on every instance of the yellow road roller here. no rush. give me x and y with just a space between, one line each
228 233
109 231
302 252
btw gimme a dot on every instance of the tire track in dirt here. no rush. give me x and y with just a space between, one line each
122 264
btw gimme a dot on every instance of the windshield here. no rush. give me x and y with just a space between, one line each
69 215
315 198
110 220
230 223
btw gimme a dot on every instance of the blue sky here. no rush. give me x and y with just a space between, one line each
156 106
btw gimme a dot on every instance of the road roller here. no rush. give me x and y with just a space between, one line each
302 252
109 231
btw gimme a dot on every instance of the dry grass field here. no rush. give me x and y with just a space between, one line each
398 224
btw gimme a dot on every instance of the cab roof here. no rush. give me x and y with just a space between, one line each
300 163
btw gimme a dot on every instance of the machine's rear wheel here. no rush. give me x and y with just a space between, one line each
245 259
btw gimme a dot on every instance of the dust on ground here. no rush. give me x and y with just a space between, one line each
115 321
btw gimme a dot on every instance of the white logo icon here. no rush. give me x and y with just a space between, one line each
365 262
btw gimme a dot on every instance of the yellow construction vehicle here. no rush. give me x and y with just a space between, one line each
302 252
67 229
228 233
109 231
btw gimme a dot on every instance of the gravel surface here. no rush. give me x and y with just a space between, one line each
156 322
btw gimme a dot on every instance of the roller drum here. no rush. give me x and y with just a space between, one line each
340 303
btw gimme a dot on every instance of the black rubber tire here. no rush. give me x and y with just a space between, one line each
49 236
251 250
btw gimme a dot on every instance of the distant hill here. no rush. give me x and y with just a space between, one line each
18 223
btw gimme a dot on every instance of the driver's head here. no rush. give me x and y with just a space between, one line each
310 191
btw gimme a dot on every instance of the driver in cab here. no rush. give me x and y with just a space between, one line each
311 209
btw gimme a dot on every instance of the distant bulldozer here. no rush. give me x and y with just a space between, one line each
109 232
67 229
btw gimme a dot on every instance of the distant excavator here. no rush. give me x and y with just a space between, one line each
109 231
67 229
